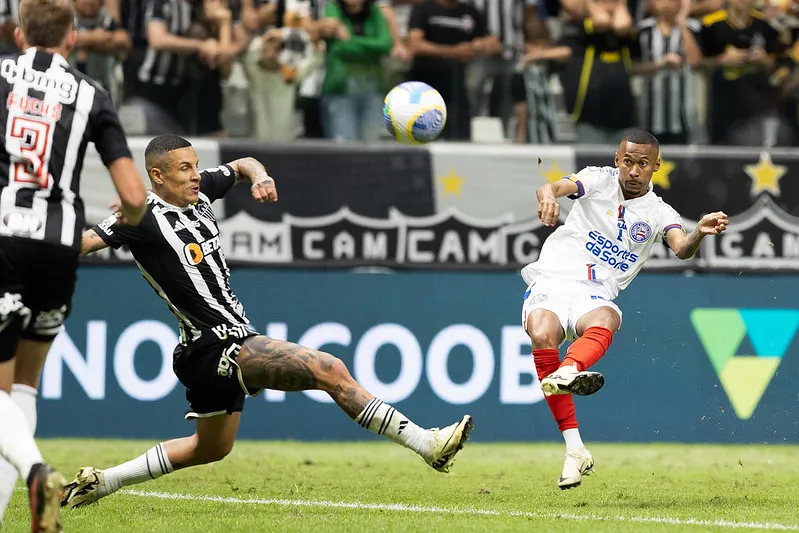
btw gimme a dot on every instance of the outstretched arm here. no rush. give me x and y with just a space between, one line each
686 245
252 171
91 242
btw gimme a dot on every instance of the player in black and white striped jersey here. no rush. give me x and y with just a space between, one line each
221 358
51 113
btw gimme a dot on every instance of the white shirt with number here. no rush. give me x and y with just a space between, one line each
605 237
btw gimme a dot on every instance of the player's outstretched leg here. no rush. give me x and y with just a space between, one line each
277 365
546 334
267 363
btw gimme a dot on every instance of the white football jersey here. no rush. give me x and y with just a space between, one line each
605 237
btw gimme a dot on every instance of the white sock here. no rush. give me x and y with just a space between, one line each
379 417
25 398
16 441
573 440
8 480
150 465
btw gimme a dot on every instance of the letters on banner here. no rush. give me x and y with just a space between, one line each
763 237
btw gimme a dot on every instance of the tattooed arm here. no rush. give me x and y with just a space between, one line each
251 170
91 242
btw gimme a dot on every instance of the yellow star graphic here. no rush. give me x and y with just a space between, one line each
452 183
661 177
555 173
765 175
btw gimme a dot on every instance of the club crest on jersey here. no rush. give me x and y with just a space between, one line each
195 252
640 231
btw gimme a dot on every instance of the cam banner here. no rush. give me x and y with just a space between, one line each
447 240
715 364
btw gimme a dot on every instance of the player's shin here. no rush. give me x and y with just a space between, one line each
152 464
25 398
589 348
546 362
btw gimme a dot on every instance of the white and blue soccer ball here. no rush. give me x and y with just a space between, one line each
414 113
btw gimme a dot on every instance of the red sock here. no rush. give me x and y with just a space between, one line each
588 349
562 405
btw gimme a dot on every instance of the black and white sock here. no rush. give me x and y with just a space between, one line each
379 417
150 465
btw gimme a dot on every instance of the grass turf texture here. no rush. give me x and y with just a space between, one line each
723 487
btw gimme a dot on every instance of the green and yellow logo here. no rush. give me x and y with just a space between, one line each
745 376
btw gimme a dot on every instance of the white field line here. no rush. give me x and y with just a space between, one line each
400 507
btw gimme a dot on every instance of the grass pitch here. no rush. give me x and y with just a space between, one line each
378 486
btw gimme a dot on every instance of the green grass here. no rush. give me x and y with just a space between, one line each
708 483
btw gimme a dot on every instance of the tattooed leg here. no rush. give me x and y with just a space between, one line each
271 364
278 365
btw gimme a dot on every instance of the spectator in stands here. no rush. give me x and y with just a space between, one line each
443 36
131 16
398 49
668 51
577 10
276 62
534 109
788 74
211 19
101 44
352 93
596 79
163 86
739 47
495 82
9 18
397 13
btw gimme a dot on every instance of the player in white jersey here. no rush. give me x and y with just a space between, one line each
606 239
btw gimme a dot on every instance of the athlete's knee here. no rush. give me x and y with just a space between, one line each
543 339
211 451
544 329
332 371
605 317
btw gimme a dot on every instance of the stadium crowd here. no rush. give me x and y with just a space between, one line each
691 71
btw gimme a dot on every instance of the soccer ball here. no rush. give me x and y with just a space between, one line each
414 113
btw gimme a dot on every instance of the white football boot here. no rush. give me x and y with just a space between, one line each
578 463
447 442
567 380
87 487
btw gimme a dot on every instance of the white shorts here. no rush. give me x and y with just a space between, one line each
570 300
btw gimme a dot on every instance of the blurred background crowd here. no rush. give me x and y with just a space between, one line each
719 72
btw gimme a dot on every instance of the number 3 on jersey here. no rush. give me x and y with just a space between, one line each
33 136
